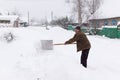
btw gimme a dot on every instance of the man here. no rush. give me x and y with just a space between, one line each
83 44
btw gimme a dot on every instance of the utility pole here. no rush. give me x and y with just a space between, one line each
28 18
93 16
51 15
79 11
46 22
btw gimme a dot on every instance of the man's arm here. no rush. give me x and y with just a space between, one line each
75 38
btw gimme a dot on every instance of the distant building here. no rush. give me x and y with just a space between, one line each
9 21
98 23
23 22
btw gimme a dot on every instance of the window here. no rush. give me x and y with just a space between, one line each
5 21
114 22
105 22
97 24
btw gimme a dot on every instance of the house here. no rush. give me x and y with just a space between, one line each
9 21
98 23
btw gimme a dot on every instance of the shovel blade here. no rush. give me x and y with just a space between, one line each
47 44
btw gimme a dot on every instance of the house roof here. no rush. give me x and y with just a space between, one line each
8 17
104 18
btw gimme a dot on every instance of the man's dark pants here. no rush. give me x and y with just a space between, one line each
84 57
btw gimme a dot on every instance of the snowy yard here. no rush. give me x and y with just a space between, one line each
23 58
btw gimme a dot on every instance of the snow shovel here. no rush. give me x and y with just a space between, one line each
48 44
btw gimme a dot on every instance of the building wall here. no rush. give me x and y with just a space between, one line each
98 23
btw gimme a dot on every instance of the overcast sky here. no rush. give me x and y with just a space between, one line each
43 8
110 8
37 8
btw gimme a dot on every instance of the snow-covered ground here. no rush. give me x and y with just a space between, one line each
23 58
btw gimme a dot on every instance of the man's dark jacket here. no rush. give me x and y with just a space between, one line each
82 41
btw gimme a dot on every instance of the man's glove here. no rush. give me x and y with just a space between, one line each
66 42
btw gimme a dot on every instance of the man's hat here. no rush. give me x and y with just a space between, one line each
78 28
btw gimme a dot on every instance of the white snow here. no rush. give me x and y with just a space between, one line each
23 58
109 26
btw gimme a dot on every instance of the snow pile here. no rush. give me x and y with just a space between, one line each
23 58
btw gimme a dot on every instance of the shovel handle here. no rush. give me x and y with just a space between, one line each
62 43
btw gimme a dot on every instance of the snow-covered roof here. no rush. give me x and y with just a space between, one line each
101 18
8 17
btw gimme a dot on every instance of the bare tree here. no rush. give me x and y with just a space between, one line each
62 21
85 9
93 6
16 12
78 8
67 1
